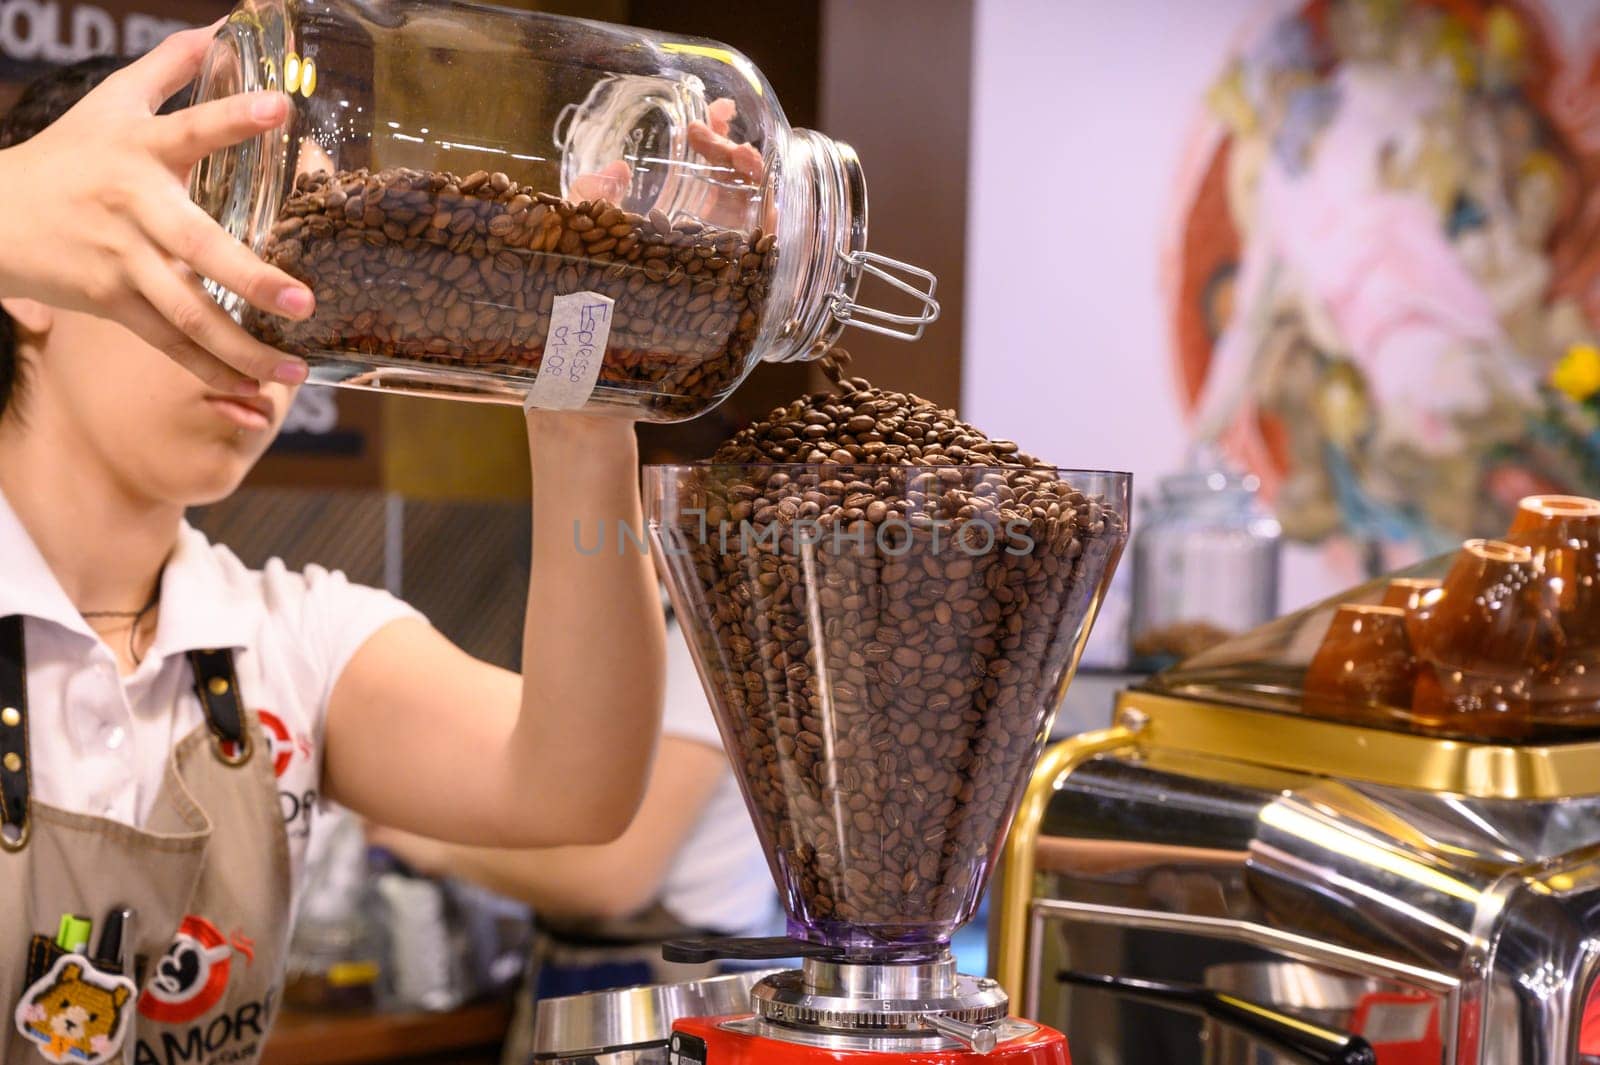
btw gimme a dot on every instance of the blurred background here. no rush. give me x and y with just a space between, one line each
1337 257
1323 274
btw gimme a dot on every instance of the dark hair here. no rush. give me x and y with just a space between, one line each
44 100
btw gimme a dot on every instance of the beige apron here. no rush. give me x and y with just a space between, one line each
207 878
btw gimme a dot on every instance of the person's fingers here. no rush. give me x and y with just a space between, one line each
168 67
195 315
715 148
720 115
142 317
189 235
185 138
589 187
609 183
620 176
747 163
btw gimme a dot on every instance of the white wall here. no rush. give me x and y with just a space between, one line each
1083 113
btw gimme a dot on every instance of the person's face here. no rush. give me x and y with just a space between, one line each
159 429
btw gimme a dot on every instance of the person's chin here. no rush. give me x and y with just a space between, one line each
225 466
213 489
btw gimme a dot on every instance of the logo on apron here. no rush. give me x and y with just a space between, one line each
279 740
192 975
75 1013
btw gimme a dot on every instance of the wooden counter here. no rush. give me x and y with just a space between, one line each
468 1036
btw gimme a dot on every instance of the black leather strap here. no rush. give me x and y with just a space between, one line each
218 688
214 681
15 771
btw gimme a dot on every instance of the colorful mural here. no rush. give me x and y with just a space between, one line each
1385 276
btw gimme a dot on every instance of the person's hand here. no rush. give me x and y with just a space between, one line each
710 138
738 171
610 182
734 179
99 220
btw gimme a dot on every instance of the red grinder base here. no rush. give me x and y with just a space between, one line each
706 1042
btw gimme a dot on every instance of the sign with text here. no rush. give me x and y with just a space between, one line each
38 34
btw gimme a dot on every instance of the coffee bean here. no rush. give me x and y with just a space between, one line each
902 647
370 252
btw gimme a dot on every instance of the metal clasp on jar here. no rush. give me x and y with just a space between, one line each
900 326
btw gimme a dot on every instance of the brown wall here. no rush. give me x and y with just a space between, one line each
896 85
783 40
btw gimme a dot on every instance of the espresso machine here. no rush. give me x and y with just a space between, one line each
1380 815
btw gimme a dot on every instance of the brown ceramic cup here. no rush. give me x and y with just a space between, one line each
1480 620
1473 706
1563 532
1407 592
1364 669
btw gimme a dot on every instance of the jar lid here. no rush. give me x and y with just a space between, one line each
1193 484
641 119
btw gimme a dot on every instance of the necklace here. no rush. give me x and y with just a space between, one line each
133 629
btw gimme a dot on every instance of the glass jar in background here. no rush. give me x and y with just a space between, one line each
1205 565
337 946
516 206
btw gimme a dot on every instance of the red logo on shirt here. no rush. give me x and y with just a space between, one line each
191 977
280 742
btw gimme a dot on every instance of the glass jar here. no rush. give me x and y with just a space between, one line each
523 207
1205 565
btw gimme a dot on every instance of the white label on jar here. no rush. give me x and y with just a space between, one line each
580 325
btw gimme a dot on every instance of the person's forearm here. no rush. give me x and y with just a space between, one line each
576 883
594 644
612 880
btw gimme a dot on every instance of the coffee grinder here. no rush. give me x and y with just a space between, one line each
883 692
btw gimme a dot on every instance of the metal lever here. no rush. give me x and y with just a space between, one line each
980 1038
1299 1039
874 320
703 949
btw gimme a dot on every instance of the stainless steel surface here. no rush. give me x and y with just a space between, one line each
848 310
935 979
651 1055
979 1037
1310 994
1484 913
875 999
635 1018
1005 1031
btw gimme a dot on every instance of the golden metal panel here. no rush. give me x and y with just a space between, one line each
1014 891
1376 756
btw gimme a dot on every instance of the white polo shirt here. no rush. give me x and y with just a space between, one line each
100 742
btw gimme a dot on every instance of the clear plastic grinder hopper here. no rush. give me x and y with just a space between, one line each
884 648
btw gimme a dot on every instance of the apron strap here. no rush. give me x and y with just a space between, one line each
15 772
218 688
214 681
